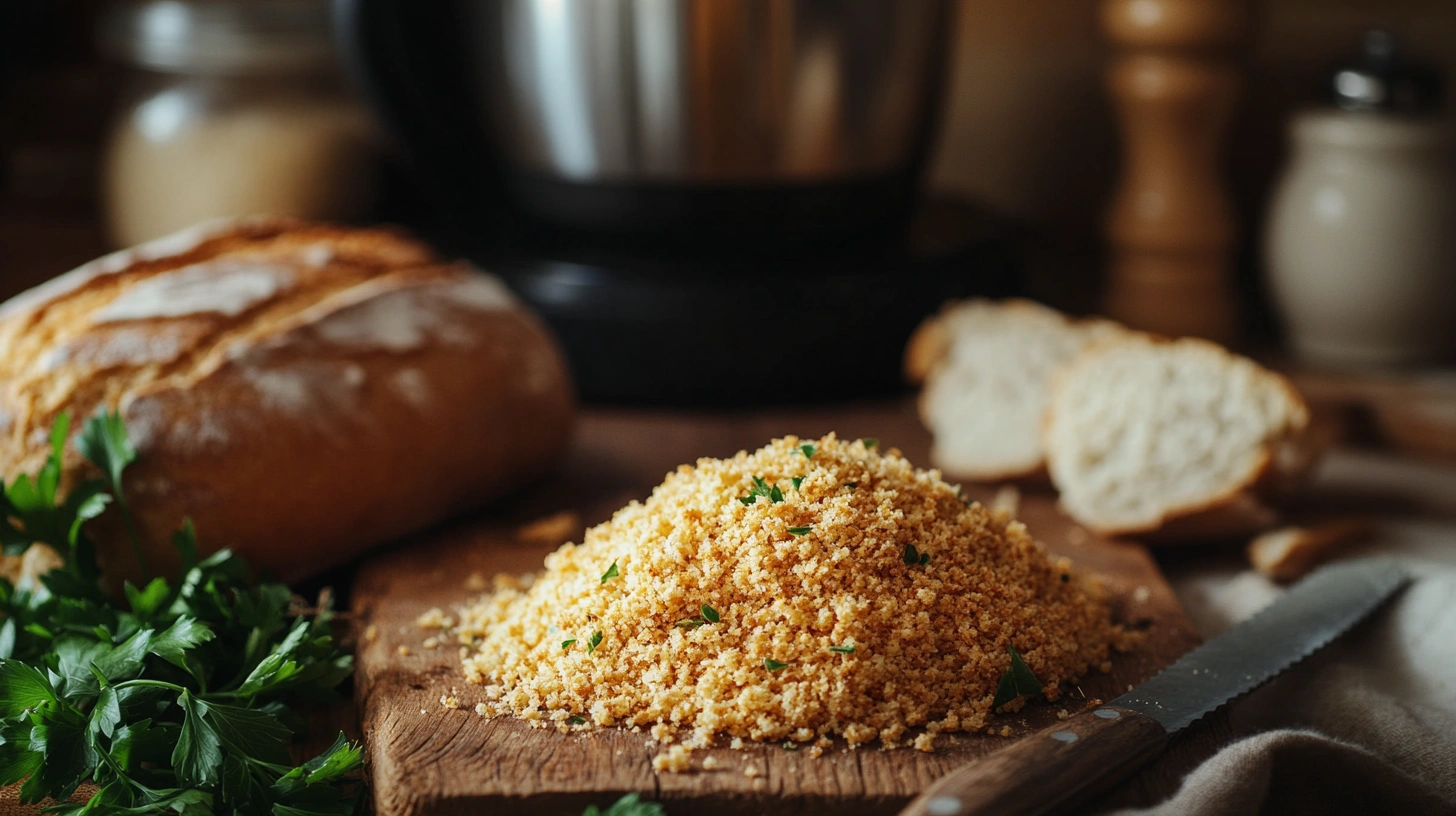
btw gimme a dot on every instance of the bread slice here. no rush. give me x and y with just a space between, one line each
986 367
300 391
1178 438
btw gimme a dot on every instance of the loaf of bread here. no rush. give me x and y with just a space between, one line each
987 367
1178 439
300 391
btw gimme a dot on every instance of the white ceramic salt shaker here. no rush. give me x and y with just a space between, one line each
1360 242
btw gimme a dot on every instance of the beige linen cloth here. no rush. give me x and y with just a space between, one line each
1368 725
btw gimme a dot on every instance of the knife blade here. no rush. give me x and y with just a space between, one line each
1070 761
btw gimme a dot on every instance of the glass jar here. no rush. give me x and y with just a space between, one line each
235 107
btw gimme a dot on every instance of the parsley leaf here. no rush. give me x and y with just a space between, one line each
629 805
709 615
610 573
250 732
594 642
797 480
22 687
1017 681
566 644
198 755
773 665
184 634
577 719
801 531
808 451
869 442
104 442
848 648
762 488
912 556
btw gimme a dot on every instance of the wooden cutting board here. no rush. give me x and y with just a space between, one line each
428 759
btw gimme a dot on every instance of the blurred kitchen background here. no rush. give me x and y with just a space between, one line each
1020 175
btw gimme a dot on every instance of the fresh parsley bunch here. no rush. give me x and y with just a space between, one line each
176 703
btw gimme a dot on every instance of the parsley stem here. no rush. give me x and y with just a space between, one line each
205 696
156 683
131 532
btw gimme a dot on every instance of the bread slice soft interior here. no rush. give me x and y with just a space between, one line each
987 367
1146 435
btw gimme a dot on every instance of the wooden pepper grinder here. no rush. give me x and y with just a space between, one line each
1175 80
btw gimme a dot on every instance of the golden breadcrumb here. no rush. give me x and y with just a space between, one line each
675 760
434 619
773 610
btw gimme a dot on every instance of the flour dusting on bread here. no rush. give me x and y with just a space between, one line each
122 346
226 286
411 384
168 246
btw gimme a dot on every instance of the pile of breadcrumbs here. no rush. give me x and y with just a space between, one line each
816 621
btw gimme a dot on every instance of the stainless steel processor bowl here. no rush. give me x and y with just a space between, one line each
755 117
709 91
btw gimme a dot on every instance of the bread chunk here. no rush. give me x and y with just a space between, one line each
1173 437
1287 554
987 368
301 391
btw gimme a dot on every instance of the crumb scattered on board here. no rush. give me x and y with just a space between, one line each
675 759
823 626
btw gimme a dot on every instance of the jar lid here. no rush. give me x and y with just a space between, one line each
1383 79
220 36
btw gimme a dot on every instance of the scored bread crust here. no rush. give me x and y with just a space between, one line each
944 354
300 391
1247 502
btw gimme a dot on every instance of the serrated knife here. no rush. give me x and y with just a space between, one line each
1068 762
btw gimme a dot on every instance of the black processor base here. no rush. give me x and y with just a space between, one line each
734 326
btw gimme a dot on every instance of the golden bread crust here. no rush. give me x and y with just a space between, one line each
301 391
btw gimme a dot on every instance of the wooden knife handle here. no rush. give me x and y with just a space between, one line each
1050 770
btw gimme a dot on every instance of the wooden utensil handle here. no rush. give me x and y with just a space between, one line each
1048 771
